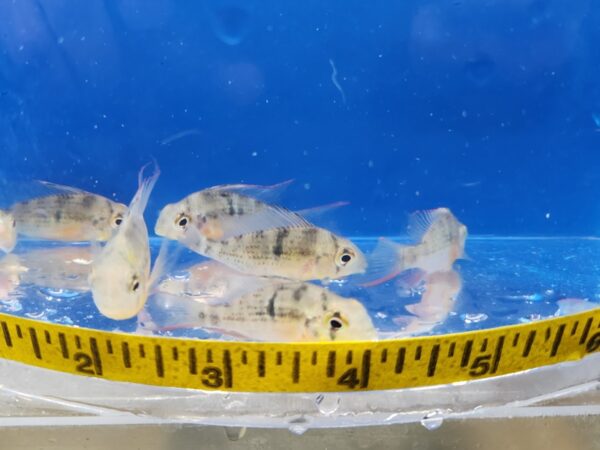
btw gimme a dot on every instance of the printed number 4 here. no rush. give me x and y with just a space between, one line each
349 378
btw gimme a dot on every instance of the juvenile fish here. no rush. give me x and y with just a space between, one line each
567 306
71 215
120 276
8 232
277 311
10 272
273 242
210 281
440 241
214 212
56 268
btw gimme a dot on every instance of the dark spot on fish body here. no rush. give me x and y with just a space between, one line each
230 208
271 305
297 295
88 201
62 199
214 319
58 215
282 234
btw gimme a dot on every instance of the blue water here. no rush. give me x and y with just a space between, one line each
506 281
489 108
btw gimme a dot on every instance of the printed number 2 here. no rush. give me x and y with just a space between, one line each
85 363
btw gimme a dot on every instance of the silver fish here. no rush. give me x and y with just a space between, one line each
71 215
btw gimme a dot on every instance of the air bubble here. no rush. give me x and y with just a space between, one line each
298 429
235 433
298 425
327 404
433 420
12 305
474 318
51 294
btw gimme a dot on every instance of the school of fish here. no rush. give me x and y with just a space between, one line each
270 272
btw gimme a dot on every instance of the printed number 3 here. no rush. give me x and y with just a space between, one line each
213 377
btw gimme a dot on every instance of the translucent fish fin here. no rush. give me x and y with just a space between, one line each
317 211
41 213
59 188
11 263
225 227
162 264
265 193
414 309
174 312
383 263
95 249
403 321
145 186
420 222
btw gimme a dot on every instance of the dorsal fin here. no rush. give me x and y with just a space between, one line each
225 227
260 192
60 188
317 211
420 222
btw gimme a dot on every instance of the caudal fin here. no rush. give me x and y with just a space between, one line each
384 263
145 187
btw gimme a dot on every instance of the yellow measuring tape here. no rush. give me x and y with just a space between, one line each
299 367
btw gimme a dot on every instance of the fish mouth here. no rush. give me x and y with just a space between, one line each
118 314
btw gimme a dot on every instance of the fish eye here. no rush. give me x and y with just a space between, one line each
135 284
346 256
335 323
118 220
183 220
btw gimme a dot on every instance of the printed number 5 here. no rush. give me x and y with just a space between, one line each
480 366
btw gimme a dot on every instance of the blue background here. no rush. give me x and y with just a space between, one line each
486 107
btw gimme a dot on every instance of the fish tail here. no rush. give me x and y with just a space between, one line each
385 263
177 312
145 186
164 261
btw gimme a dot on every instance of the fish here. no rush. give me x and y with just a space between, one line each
278 311
57 268
120 276
441 291
257 238
8 232
440 241
70 215
210 281
10 272
567 306
215 210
